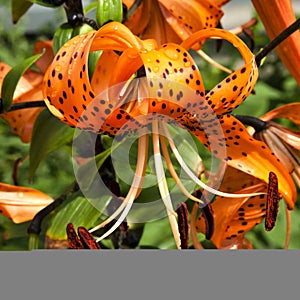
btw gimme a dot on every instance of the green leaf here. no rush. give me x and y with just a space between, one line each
49 134
158 234
65 32
274 239
48 3
77 210
258 104
62 34
86 173
18 9
90 7
12 78
109 10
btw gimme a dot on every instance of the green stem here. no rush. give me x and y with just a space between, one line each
35 225
279 39
24 105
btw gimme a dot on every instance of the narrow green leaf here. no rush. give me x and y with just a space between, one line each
18 9
48 3
49 134
77 210
109 10
90 7
62 34
12 78
86 173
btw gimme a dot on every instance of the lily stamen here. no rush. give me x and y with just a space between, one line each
213 62
174 174
162 185
133 192
190 173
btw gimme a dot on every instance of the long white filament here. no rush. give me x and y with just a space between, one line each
193 176
288 228
174 174
213 62
162 184
134 189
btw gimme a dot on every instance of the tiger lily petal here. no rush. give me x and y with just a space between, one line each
233 218
44 61
275 20
71 97
173 20
243 152
28 89
289 111
282 141
21 204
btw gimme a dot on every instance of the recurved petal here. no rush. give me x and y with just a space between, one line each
276 16
236 87
138 22
115 36
186 17
289 111
43 62
22 121
235 217
255 158
245 153
21 204
67 77
28 89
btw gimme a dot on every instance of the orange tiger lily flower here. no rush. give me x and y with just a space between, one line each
277 15
284 142
29 88
233 218
173 20
113 103
21 204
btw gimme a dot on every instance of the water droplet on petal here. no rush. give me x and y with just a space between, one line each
132 55
172 54
155 69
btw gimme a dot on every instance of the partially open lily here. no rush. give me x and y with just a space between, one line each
284 142
29 88
139 85
173 20
21 204
277 15
233 218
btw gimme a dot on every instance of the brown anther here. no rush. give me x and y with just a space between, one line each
87 239
183 225
207 213
73 240
272 202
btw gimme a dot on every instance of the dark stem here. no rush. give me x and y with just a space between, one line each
133 8
23 105
274 43
254 122
74 12
36 223
17 163
90 22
